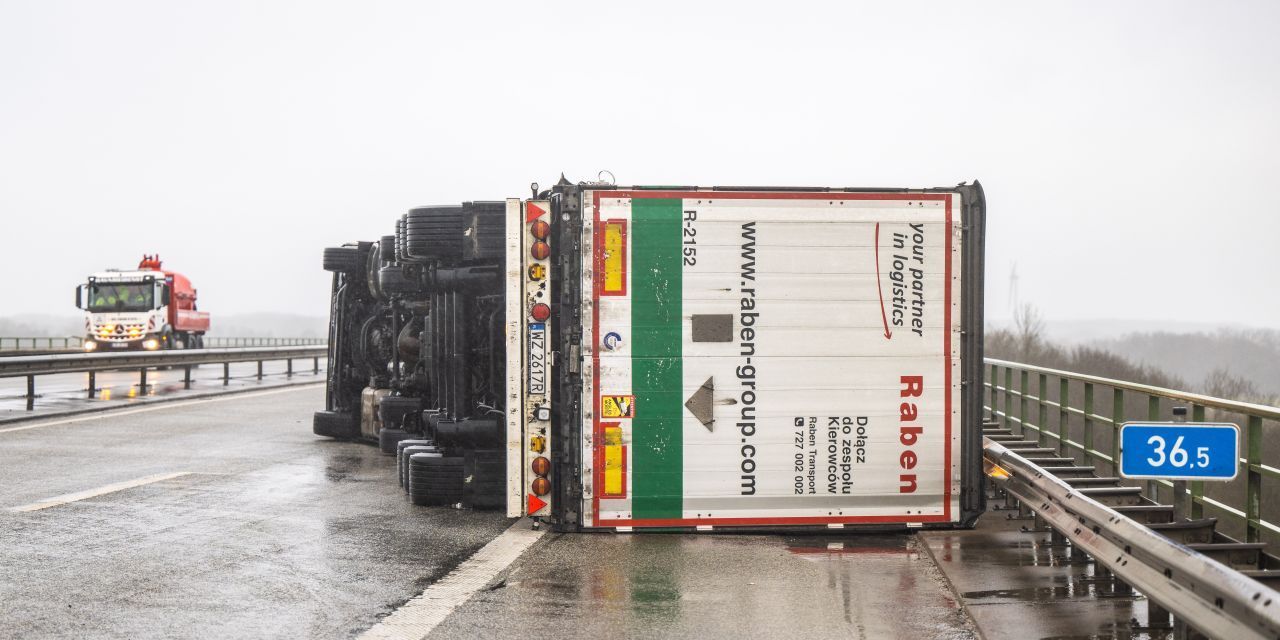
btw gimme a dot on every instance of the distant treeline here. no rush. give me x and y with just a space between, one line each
1235 364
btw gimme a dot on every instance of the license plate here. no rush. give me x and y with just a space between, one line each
537 358
119 345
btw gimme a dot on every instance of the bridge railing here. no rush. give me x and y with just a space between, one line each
1080 415
50 343
20 343
31 366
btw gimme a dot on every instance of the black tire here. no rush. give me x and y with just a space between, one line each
487 480
484 237
403 451
387 439
342 259
332 424
435 480
434 233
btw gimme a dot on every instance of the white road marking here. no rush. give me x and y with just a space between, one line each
417 617
160 407
93 493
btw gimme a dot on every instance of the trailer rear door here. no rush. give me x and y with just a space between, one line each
771 358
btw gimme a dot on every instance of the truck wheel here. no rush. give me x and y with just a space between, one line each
332 424
387 439
435 480
487 482
402 457
434 233
342 259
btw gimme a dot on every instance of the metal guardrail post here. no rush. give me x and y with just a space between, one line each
259 369
142 380
1022 402
186 377
93 383
1064 416
226 373
1153 414
1042 415
1008 397
31 393
289 369
315 365
1197 486
1088 423
1117 419
1253 498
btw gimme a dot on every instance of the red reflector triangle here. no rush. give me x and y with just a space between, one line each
532 212
535 504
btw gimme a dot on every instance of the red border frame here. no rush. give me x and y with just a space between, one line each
597 233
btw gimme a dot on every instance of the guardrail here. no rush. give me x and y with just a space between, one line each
77 342
47 342
32 366
1071 402
1209 596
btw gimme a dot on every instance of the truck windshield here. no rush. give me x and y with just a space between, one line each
121 296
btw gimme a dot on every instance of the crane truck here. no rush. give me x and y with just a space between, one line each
597 356
147 308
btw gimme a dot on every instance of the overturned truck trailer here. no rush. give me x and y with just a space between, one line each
612 357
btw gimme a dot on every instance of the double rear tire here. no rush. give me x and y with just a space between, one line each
435 480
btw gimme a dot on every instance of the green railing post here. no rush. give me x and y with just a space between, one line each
1153 414
1008 396
1197 486
1022 401
1253 499
1088 423
1042 416
1117 419
994 381
1064 416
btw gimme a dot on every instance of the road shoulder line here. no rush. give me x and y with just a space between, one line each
417 617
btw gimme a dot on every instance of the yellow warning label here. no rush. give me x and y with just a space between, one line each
617 406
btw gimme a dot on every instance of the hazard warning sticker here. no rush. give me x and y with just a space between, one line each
618 406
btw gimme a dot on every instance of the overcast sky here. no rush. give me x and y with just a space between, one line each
1128 150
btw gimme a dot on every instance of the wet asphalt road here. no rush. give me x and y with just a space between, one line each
272 532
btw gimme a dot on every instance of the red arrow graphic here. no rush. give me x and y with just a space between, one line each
883 316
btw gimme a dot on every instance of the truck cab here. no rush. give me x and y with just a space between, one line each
146 308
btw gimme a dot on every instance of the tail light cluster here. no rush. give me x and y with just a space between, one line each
537 295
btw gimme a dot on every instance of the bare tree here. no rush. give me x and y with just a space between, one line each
1028 327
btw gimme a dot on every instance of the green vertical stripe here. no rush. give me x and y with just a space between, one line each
656 376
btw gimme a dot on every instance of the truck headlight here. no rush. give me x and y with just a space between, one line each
150 344
90 345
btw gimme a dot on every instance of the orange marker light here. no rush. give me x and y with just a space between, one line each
541 486
541 466
540 250
540 229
